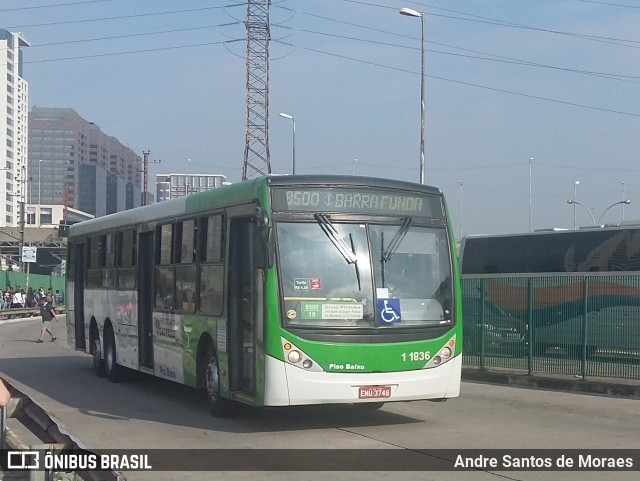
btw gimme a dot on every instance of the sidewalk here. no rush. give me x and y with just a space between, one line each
627 388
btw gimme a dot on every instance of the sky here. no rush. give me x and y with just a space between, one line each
523 98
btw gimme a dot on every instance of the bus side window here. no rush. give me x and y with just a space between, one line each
164 278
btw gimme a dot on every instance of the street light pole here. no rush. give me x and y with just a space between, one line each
575 185
293 120
39 183
186 179
587 208
623 202
414 13
460 236
530 165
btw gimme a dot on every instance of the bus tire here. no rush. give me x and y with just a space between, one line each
98 361
218 406
112 369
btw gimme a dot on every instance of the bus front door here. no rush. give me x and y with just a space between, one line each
145 300
242 305
78 296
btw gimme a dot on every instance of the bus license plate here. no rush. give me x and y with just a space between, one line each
374 392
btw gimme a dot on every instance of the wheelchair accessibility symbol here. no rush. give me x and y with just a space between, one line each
389 311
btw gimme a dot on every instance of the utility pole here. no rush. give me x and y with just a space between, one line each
21 206
145 175
21 203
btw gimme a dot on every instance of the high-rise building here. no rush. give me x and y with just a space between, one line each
170 186
14 124
72 162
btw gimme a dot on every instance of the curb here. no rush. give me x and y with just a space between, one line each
19 319
629 389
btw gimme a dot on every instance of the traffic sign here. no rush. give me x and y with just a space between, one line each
29 254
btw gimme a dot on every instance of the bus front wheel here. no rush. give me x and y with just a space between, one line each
218 406
112 369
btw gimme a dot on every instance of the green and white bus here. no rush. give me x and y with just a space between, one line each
275 291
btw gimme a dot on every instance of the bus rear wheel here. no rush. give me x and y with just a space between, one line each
98 362
112 369
218 406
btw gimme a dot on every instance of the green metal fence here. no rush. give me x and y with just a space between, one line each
36 281
582 324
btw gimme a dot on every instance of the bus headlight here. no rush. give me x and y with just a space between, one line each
294 356
443 355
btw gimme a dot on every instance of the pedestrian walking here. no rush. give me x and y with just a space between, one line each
48 313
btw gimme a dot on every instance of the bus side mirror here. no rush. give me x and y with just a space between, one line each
263 245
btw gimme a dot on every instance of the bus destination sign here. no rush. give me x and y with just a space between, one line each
349 200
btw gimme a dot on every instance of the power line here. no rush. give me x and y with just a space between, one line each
492 21
143 34
469 84
499 59
52 5
112 54
581 167
100 19
609 4
506 60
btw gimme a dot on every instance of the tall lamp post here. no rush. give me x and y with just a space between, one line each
530 190
293 121
587 208
186 179
460 182
575 186
623 202
39 183
414 13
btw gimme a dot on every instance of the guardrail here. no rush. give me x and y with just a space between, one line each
24 410
22 312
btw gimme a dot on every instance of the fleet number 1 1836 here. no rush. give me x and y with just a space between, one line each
416 356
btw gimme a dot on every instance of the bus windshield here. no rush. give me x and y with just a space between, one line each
364 275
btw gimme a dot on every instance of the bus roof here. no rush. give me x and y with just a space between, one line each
603 249
236 193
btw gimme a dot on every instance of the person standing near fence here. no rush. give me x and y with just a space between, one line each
48 313
18 298
8 297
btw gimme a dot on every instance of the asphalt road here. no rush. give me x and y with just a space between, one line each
144 412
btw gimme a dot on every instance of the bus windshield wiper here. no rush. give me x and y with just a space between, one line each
348 252
396 240
331 232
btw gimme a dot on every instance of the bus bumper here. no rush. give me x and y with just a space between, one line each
288 385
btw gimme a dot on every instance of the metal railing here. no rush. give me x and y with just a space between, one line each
576 324
23 312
